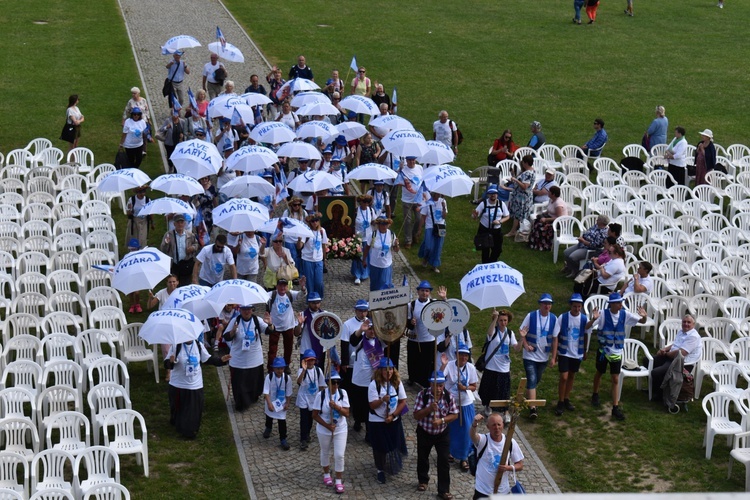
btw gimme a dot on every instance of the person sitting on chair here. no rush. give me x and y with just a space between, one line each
593 148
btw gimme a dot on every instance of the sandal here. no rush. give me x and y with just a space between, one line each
445 496
422 487
464 466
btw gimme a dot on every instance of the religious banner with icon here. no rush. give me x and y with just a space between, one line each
388 309
339 214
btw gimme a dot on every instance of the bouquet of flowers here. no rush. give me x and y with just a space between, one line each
345 248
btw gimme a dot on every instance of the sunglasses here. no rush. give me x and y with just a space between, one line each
362 71
335 382
276 241
200 135
508 137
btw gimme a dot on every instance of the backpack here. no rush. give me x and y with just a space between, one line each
257 329
426 396
474 457
273 297
459 135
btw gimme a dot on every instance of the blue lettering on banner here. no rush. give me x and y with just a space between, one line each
492 278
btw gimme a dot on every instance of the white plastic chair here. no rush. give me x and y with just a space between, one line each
712 349
100 223
64 210
633 351
724 286
53 494
671 270
31 303
94 278
69 243
58 347
710 246
10 478
632 301
61 280
737 151
63 372
687 286
705 270
108 491
99 172
20 437
104 240
565 228
575 166
90 346
50 157
31 262
673 306
108 319
135 349
741 453
72 303
20 348
733 266
18 402
52 470
668 330
124 441
737 193
91 257
727 376
716 406
32 282
103 296
704 307
54 400
662 178
83 157
635 179
734 236
102 465
19 157
21 324
70 437
103 400
109 370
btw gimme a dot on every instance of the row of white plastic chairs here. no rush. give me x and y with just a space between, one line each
41 151
82 263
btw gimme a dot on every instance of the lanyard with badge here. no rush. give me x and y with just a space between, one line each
249 335
365 219
191 367
312 386
383 247
336 414
316 242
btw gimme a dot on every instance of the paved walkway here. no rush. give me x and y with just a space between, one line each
271 472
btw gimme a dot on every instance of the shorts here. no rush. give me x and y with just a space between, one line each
567 364
602 361
534 372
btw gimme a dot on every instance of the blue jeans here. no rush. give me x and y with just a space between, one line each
534 371
577 4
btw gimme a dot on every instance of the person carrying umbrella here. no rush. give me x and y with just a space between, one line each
182 246
186 384
176 71
242 334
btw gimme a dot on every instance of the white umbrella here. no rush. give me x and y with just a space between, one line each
438 154
307 97
318 108
273 133
405 143
255 99
248 186
351 130
228 52
372 172
122 180
299 149
240 292
321 129
250 159
196 158
223 106
292 228
179 42
311 181
360 104
448 180
391 122
190 298
240 215
492 285
141 270
301 84
177 184
167 206
171 327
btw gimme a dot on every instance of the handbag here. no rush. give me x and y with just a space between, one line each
121 159
68 133
183 268
583 275
438 230
167 89
287 272
517 488
160 135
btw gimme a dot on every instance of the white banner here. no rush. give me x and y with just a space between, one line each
382 299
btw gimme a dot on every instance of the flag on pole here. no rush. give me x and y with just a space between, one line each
394 101
237 119
353 65
282 192
176 106
193 102
220 37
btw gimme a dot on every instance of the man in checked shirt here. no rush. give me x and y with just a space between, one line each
434 410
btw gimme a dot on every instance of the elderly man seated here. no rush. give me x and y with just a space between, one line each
591 239
688 343
641 281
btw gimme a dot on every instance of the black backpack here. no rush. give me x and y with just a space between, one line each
474 457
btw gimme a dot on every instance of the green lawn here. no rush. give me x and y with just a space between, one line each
84 49
492 65
497 65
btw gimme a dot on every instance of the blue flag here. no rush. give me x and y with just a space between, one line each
193 102
220 37
237 119
176 104
353 65
282 192
394 101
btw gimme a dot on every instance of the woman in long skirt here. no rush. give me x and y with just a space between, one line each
186 385
378 254
433 221
461 381
387 399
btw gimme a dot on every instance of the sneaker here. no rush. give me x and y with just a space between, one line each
303 445
284 445
595 399
437 270
591 22
560 409
533 413
131 310
357 281
617 413
327 480
339 488
568 405
138 308
579 21
381 477
267 433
